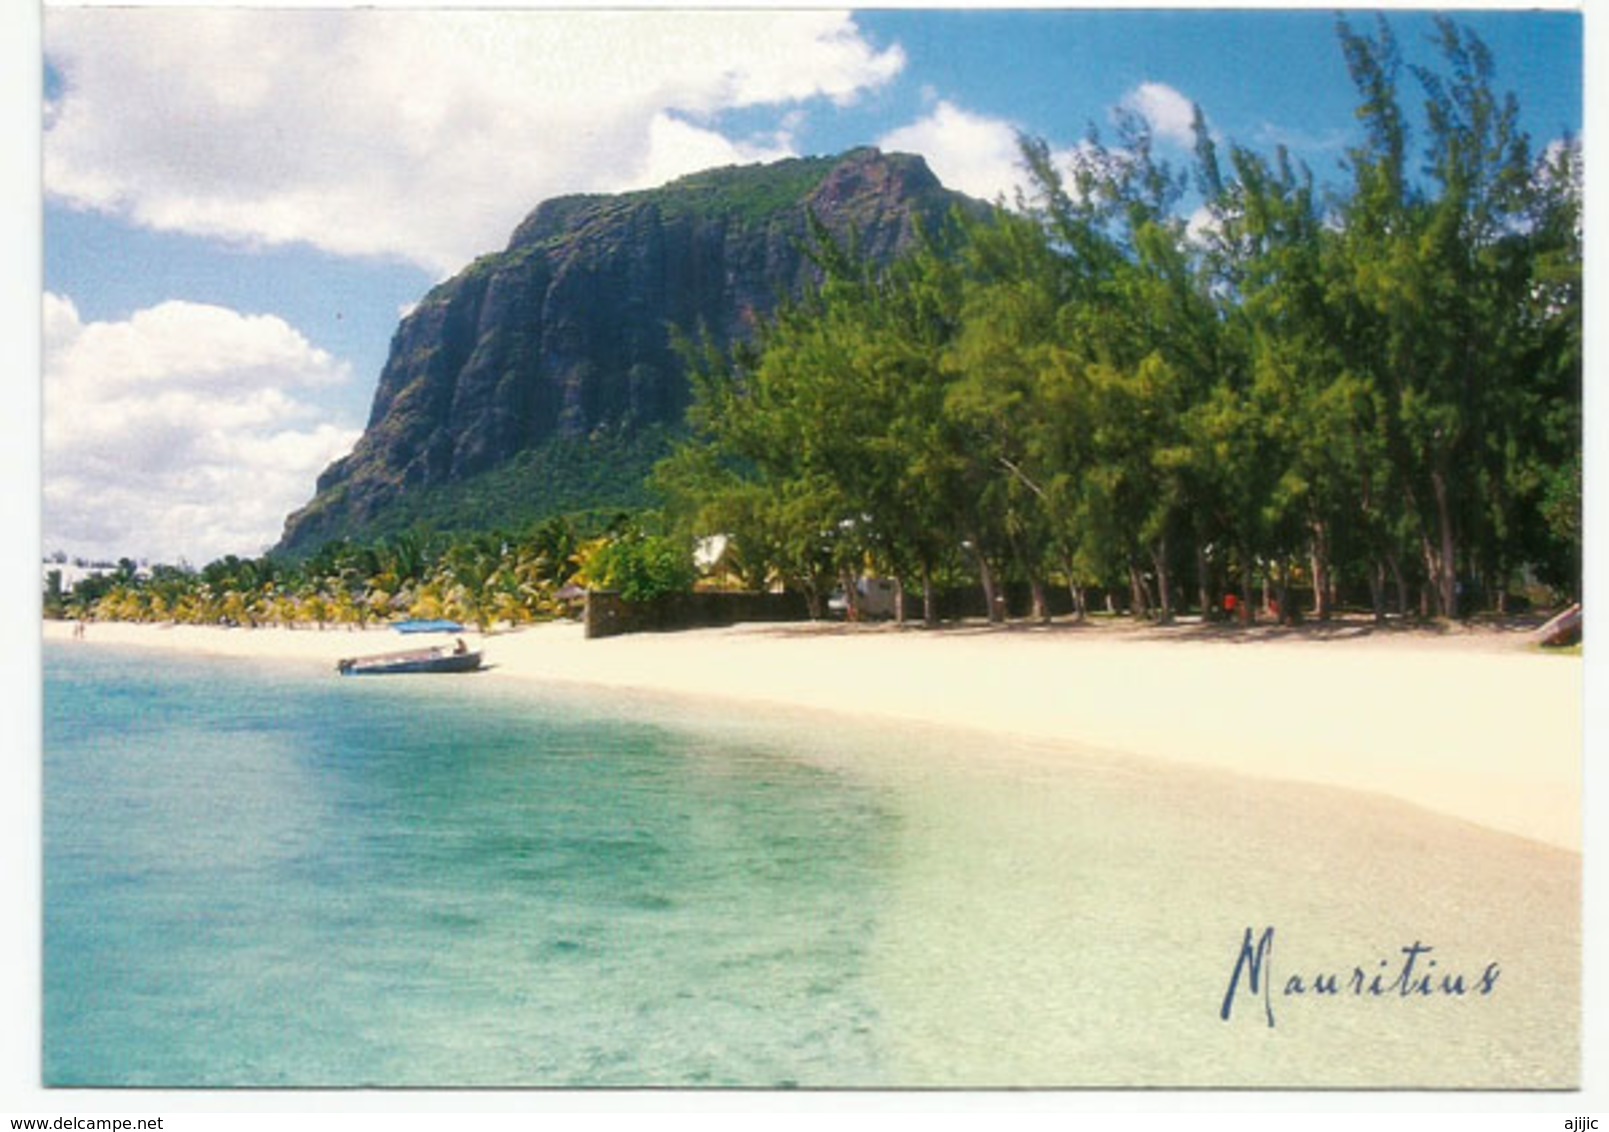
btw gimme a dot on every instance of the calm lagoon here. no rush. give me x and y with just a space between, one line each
261 875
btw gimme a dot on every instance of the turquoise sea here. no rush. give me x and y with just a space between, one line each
260 875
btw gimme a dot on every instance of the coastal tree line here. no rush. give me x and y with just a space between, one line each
1143 387
483 579
1369 394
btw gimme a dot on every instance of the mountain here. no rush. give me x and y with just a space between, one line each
542 379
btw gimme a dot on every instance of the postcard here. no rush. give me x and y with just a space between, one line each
774 549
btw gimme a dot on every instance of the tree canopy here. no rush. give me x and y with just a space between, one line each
1370 393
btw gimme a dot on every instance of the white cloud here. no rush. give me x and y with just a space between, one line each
980 155
1169 113
676 147
1203 226
413 133
969 152
177 432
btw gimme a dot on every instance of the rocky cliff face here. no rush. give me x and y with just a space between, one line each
566 334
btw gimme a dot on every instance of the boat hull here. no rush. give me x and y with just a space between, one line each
410 663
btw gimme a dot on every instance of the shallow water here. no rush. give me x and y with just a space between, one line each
260 875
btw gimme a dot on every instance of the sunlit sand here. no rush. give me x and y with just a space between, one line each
1474 724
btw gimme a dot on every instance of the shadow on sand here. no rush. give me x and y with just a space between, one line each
1513 631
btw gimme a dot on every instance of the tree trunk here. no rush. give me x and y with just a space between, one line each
991 595
1164 583
1074 590
1377 589
1248 609
1041 606
1321 570
1139 593
1203 583
1402 583
1447 580
1431 590
899 601
930 600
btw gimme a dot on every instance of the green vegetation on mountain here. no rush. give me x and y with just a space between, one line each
750 194
585 479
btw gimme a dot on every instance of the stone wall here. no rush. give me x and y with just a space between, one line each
607 615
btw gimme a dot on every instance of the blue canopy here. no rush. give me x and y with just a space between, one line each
428 627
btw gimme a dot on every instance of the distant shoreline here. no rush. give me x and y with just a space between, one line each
1472 722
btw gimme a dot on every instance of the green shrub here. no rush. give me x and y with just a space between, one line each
642 567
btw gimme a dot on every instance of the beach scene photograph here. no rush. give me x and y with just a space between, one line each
786 551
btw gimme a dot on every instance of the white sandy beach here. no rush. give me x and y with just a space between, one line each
1083 823
1474 724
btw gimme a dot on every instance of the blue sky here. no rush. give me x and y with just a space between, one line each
239 204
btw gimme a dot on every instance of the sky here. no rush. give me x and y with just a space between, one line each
239 204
